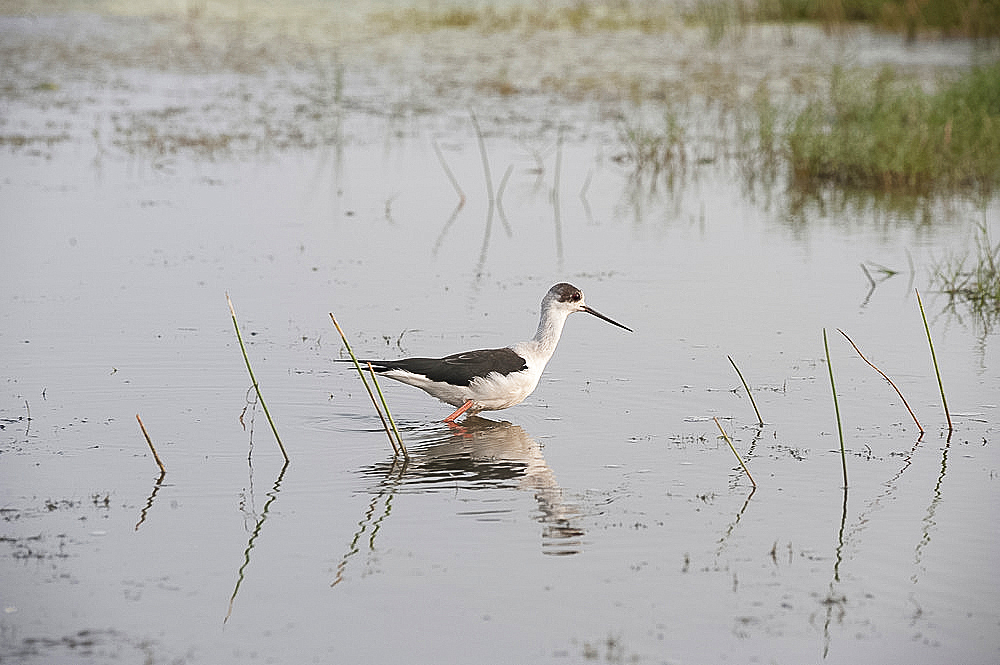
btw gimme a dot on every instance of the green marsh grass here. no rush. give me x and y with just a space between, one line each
253 379
836 408
952 18
883 133
397 442
975 279
388 413
760 420
937 369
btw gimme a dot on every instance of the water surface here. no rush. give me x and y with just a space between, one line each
601 520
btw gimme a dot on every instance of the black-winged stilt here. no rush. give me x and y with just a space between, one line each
493 379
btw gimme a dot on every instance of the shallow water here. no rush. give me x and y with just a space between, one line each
601 520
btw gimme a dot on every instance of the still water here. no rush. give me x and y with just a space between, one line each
602 520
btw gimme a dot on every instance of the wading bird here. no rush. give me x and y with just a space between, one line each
492 379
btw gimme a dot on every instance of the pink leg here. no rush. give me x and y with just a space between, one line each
462 409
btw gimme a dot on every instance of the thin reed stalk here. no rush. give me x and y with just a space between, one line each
253 379
159 462
396 443
937 370
836 408
760 420
388 413
733 448
884 376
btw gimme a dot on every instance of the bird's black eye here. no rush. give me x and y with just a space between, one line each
575 297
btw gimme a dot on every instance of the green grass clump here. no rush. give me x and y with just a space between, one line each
974 279
954 18
891 135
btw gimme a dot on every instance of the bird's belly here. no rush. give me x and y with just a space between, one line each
500 391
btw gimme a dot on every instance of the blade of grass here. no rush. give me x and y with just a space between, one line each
760 421
884 376
836 408
388 413
253 379
361 373
733 448
159 462
937 370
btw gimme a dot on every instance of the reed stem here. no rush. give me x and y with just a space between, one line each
836 408
388 413
361 373
159 462
884 376
937 370
253 379
733 448
760 421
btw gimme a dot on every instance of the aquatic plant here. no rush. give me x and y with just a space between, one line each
975 279
760 420
733 448
888 134
884 376
149 441
937 369
397 443
836 408
253 379
954 18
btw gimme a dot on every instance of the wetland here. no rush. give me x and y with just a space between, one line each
727 188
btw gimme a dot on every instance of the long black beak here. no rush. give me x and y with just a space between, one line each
588 310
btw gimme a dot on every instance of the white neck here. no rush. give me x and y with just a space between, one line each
549 330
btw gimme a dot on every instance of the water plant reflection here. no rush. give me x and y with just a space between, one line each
254 534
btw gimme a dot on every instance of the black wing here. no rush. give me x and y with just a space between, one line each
458 369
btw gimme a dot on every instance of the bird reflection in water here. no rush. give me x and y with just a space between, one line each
475 454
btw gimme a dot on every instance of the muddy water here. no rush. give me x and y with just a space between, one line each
601 520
